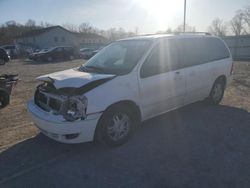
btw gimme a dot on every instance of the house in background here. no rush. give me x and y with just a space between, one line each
91 40
56 36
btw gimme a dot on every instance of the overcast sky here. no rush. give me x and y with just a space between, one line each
148 15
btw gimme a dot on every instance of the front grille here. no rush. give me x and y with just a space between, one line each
55 104
47 101
42 98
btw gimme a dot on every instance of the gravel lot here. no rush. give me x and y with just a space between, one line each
196 146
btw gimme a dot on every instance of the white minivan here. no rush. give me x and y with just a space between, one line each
127 82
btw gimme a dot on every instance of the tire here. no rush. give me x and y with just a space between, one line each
217 92
4 99
115 126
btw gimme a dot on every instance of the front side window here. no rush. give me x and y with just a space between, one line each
162 59
117 58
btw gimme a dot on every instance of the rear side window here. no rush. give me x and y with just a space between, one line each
162 59
195 51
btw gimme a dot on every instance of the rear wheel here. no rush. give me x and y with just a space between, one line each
4 99
217 92
115 126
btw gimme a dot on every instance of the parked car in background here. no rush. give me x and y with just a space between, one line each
129 81
59 53
11 50
36 53
94 52
7 82
4 56
86 53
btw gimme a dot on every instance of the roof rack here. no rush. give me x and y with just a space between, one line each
199 33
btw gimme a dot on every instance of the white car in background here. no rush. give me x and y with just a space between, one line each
129 81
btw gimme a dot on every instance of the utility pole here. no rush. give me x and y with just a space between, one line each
184 23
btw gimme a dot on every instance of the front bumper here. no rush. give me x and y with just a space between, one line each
55 127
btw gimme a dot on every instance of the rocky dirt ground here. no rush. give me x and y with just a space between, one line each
14 122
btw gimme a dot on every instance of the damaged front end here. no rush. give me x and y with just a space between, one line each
66 102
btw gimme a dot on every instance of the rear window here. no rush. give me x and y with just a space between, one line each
195 51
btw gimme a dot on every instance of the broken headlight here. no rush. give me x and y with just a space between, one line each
74 108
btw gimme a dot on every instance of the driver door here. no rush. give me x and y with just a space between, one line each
161 81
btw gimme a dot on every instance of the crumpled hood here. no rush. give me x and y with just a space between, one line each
72 78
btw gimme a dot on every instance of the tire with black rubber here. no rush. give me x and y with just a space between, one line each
217 91
4 99
115 126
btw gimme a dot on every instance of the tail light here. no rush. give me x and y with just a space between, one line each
232 68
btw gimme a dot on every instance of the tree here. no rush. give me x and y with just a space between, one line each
237 23
246 17
45 24
85 28
218 27
136 31
30 23
189 28
169 30
71 27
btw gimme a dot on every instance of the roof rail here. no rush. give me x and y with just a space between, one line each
199 33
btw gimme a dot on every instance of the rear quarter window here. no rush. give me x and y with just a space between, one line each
195 51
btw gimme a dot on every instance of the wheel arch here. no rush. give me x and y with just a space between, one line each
129 104
222 78
126 103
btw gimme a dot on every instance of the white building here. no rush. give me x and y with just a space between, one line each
56 36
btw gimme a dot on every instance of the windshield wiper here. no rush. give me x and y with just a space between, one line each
94 68
91 69
83 68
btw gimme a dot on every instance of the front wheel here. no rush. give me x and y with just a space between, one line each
217 92
115 126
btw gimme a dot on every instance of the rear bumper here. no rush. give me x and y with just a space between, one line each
56 128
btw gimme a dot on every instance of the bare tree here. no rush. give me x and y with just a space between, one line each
218 27
113 34
246 16
237 23
169 30
189 28
45 24
136 30
71 27
30 23
85 28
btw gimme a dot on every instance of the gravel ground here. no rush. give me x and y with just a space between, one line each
196 146
15 124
